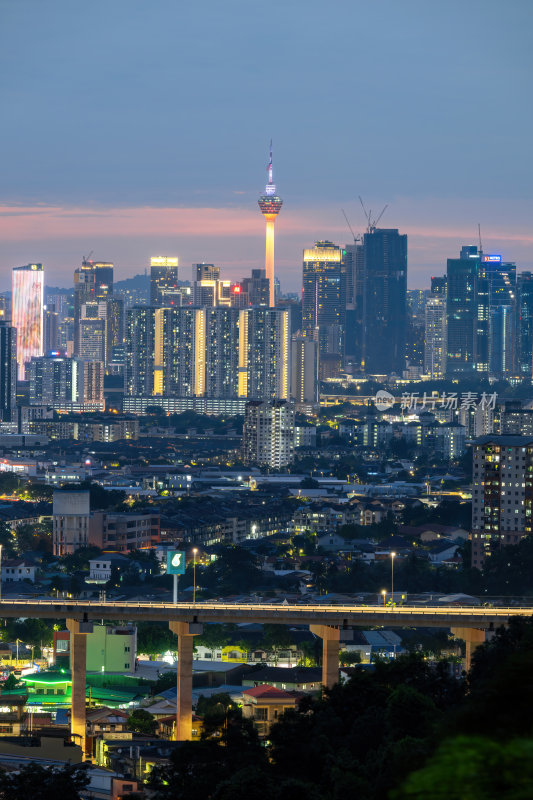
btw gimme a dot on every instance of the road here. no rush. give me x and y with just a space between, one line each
283 614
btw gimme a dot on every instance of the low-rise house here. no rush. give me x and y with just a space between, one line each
18 569
443 551
265 704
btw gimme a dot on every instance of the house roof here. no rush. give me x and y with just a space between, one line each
266 692
286 674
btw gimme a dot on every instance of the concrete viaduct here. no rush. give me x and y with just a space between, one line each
185 620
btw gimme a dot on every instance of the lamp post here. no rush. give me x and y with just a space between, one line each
392 557
194 551
384 593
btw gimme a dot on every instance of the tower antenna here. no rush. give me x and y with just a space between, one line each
479 236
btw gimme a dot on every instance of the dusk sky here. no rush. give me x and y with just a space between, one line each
141 127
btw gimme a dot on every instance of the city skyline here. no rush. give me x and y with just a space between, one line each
431 120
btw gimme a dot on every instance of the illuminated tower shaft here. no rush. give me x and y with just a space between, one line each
270 205
269 258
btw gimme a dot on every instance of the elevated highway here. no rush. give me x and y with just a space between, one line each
185 620
438 616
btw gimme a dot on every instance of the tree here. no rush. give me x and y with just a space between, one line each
347 658
474 767
44 783
141 721
154 638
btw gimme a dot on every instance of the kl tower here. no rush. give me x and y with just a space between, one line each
270 205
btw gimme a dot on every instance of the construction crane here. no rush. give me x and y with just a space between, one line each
86 259
371 223
356 237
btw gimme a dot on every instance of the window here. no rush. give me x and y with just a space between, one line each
62 645
127 665
261 714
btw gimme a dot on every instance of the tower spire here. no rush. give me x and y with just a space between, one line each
270 206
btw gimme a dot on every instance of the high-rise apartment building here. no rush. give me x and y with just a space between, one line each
264 353
53 380
384 301
92 338
304 369
268 433
140 350
164 288
50 330
502 494
322 301
8 372
435 337
221 352
270 204
27 313
180 352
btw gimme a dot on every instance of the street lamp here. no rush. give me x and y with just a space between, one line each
384 593
194 551
392 557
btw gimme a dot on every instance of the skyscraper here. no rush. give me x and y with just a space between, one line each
322 311
264 342
164 289
8 372
92 281
524 324
270 205
27 313
435 337
384 301
462 313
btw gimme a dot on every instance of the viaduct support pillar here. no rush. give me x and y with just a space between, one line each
186 631
330 653
78 667
473 638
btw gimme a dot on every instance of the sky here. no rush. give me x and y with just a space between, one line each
133 128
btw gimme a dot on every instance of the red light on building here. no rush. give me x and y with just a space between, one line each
237 289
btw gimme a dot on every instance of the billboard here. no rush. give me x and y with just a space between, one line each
175 562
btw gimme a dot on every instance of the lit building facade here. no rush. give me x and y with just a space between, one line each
435 337
270 204
264 353
164 289
322 300
28 313
304 370
268 433
502 494
8 372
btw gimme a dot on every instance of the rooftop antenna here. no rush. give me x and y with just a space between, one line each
479 236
